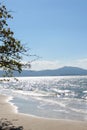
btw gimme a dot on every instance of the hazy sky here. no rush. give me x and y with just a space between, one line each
55 30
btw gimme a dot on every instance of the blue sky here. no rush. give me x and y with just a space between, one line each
55 30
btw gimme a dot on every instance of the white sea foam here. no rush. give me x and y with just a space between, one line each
85 91
78 110
9 99
58 110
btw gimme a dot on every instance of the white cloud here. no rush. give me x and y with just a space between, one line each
49 64
82 63
44 64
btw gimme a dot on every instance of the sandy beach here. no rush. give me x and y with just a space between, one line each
8 111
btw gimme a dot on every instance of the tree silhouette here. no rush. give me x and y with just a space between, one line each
11 49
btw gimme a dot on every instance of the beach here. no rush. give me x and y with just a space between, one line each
8 111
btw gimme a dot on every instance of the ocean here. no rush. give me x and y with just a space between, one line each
60 97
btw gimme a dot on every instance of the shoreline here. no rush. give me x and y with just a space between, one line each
35 123
35 116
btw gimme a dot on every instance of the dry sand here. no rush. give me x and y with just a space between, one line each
34 123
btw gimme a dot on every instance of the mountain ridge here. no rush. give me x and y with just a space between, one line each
64 71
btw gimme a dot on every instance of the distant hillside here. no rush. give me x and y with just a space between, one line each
64 71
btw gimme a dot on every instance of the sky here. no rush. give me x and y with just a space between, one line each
54 30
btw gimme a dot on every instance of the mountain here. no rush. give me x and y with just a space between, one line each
64 71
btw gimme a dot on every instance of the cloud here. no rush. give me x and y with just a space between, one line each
45 64
55 64
82 63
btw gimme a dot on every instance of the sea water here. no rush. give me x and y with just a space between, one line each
61 97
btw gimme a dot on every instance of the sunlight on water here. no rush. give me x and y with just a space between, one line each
50 97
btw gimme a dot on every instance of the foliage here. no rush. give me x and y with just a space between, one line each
11 49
